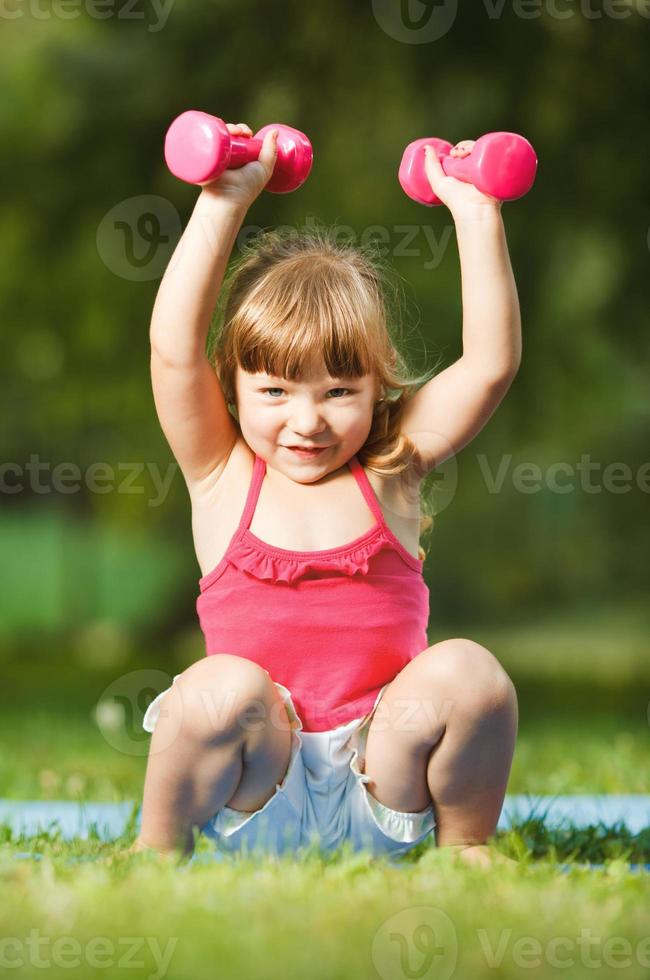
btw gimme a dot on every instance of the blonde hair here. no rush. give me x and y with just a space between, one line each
295 296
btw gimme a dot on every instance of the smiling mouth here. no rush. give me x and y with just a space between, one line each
307 451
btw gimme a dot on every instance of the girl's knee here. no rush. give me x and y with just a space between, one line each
471 671
222 695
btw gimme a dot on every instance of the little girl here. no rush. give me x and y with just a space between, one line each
320 714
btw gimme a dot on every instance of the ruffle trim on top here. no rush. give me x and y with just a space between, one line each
283 566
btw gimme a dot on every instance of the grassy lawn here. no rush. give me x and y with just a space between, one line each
342 917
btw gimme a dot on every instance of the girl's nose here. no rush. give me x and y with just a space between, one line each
306 432
306 423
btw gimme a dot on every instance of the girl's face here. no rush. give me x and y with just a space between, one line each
276 414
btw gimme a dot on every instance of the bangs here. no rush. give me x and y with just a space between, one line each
304 312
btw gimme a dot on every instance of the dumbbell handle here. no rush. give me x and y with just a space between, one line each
243 149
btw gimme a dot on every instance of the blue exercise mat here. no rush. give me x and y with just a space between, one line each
109 820
30 817
633 811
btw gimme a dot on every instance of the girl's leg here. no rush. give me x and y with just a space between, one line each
223 736
444 732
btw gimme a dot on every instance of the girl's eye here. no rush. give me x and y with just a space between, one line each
267 390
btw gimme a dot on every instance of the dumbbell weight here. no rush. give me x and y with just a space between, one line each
500 164
199 147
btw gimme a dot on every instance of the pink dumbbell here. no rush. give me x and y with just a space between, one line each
500 164
199 147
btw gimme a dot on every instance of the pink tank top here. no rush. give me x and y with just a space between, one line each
332 626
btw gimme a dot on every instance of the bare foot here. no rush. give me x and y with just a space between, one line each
480 854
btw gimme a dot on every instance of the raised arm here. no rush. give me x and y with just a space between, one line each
189 401
452 408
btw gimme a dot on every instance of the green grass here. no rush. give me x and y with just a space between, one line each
328 916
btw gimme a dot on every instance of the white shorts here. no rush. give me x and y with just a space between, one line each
322 800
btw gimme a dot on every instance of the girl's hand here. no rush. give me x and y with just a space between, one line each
242 185
463 200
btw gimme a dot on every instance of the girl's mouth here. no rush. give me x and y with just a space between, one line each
306 453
